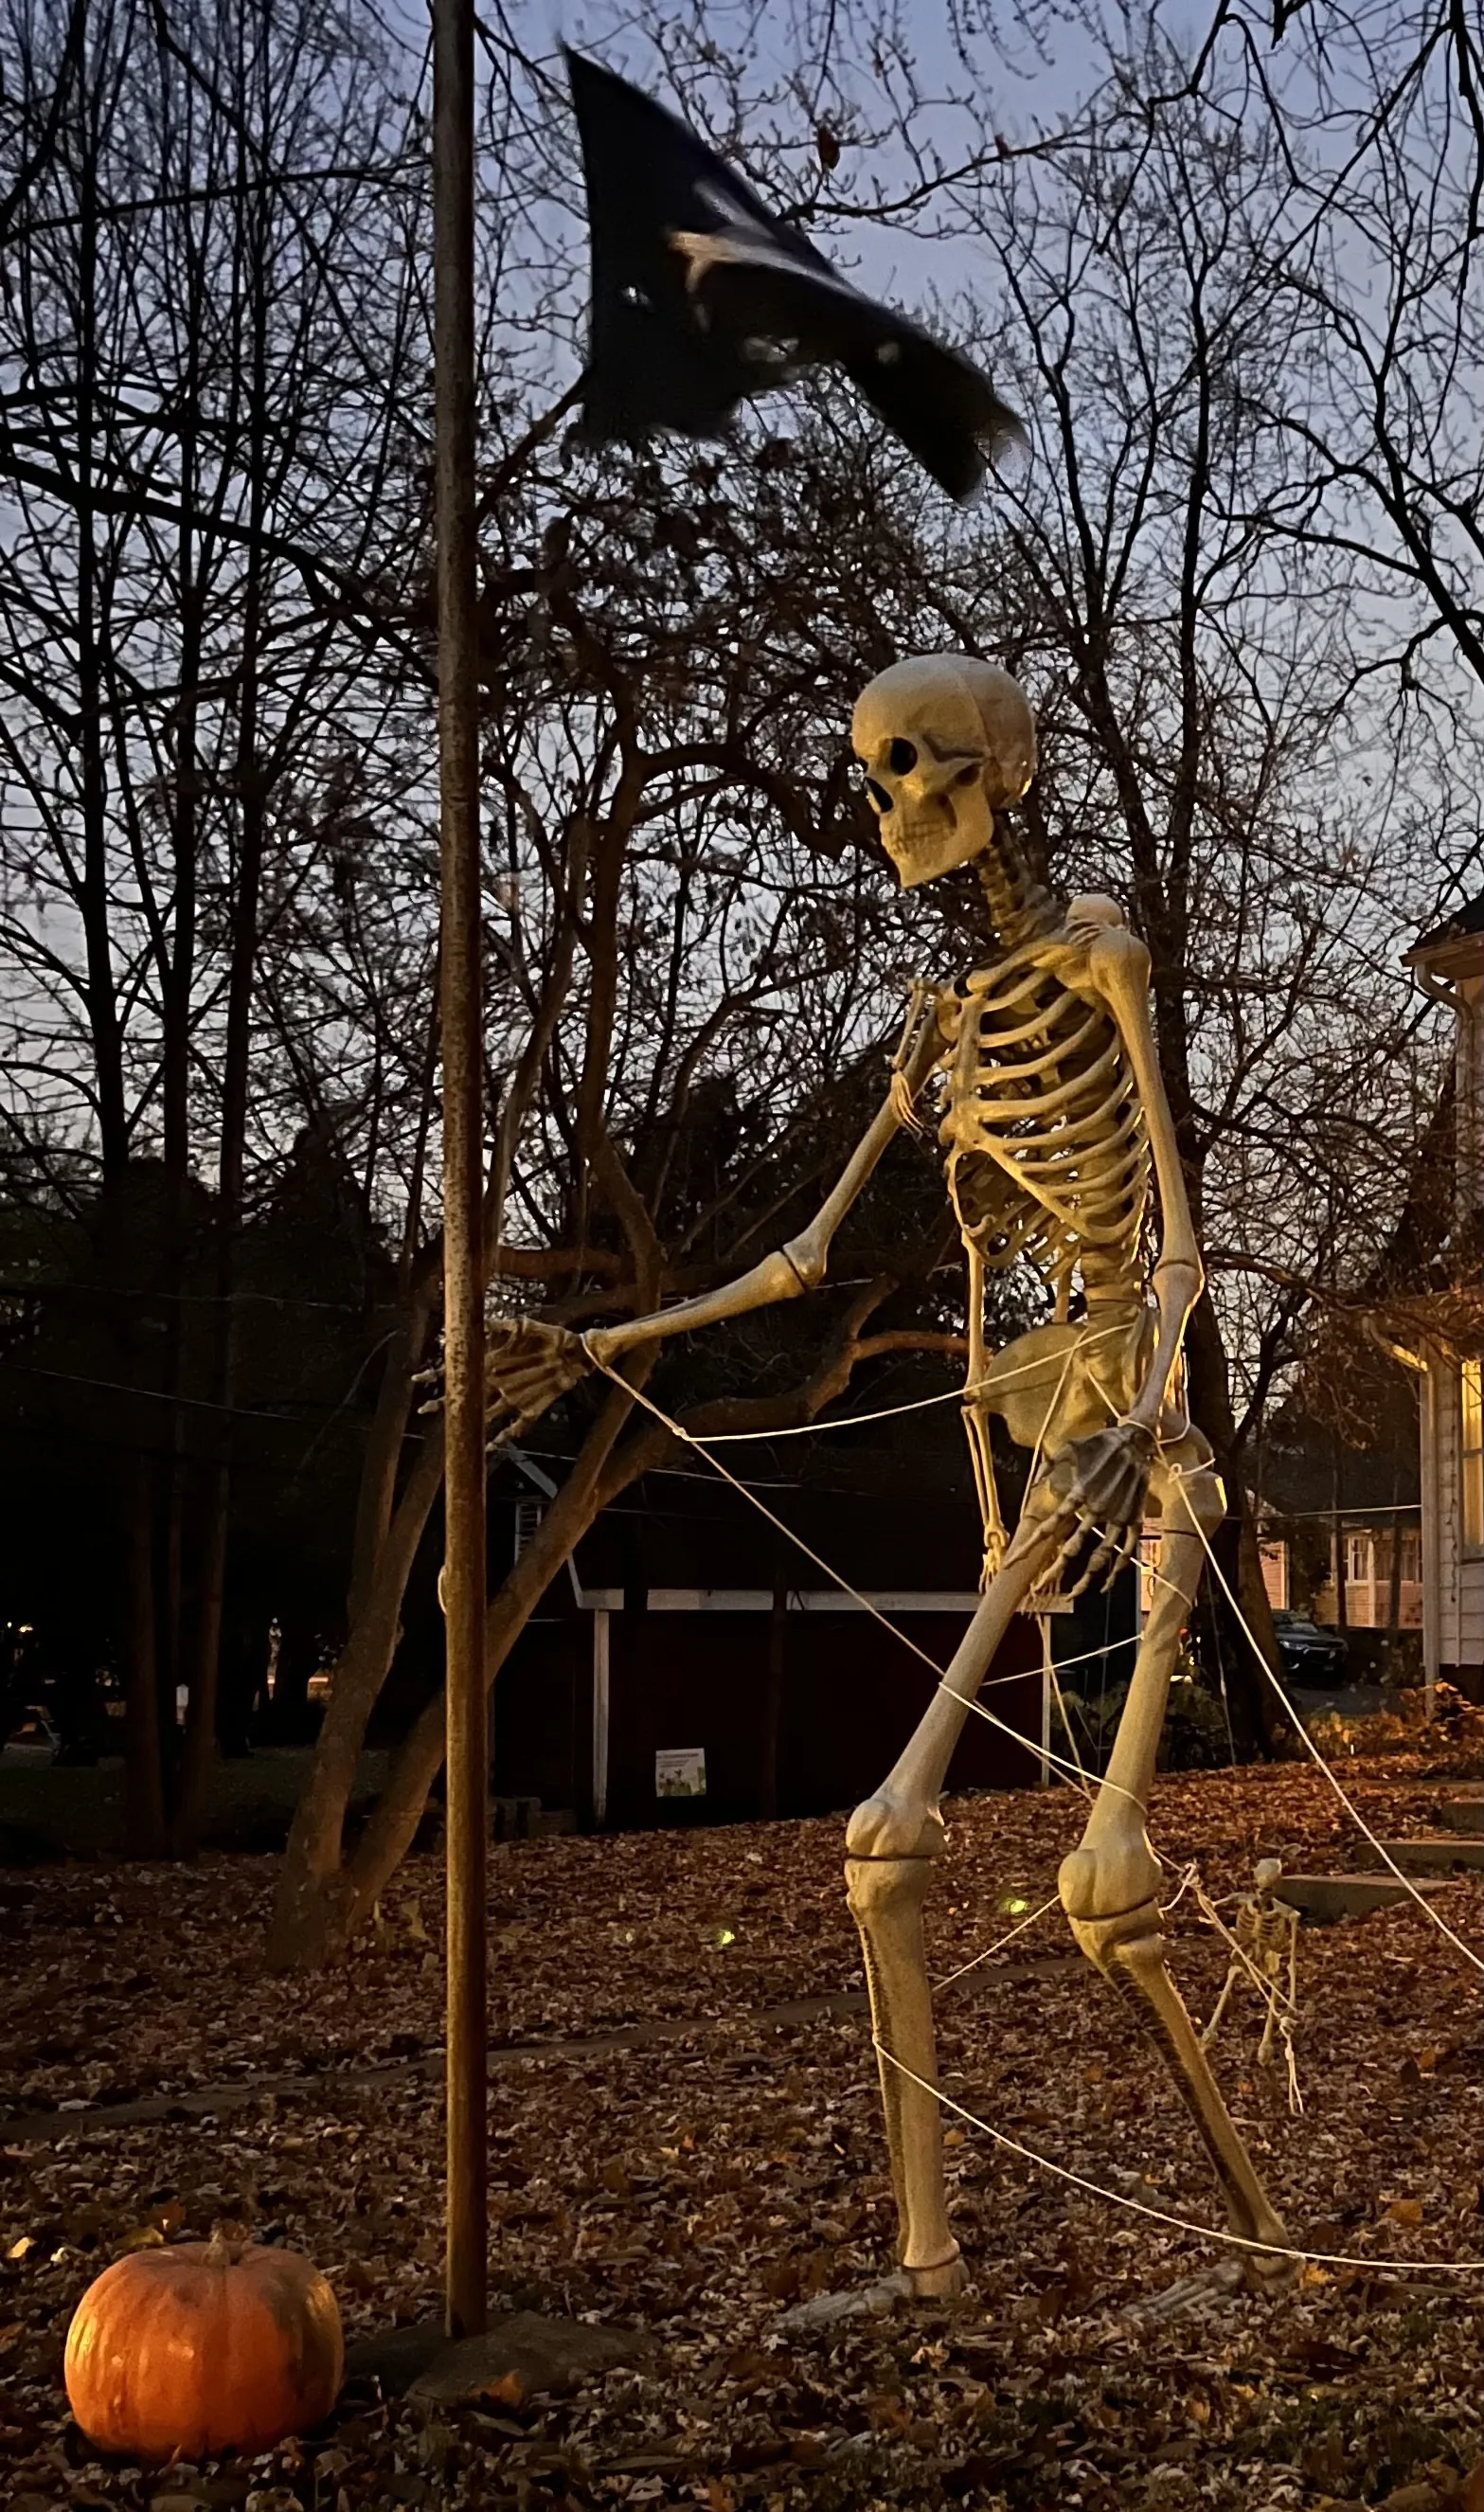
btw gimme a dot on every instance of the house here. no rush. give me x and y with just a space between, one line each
1444 1343
1338 1525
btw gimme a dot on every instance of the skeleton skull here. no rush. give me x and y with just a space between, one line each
945 741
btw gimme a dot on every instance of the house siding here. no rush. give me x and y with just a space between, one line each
1460 1645
1450 967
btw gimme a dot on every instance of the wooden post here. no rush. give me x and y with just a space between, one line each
464 1563
772 1691
600 1700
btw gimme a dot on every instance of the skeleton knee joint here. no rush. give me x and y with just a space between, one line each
1202 1502
1101 1889
806 1260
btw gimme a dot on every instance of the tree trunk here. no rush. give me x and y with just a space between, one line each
375 1498
389 1834
189 1813
320 1902
143 1790
1233 1592
311 1911
199 1748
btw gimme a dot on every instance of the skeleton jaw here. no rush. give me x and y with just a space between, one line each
942 821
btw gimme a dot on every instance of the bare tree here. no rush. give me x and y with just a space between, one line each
1378 114
1213 756
695 974
216 818
191 386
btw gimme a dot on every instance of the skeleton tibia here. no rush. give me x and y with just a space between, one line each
885 1895
1110 1884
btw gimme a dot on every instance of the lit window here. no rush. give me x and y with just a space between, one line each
1473 1454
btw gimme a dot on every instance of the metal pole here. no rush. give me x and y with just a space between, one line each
464 1564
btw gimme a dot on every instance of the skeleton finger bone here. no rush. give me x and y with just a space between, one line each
527 1366
1106 1477
1114 1554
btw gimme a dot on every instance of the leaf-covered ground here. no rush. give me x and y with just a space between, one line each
697 2186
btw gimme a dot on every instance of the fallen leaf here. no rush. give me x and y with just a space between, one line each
144 2237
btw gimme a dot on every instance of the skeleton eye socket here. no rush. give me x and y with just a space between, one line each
902 756
879 796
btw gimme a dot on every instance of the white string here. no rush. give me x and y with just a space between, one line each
998 1945
845 1421
919 1404
1053 1904
1352 1809
1179 1474
1159 2214
678 1432
1088 1655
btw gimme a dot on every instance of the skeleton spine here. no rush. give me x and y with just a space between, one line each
1020 906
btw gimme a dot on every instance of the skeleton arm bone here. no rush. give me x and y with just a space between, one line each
1117 966
799 1265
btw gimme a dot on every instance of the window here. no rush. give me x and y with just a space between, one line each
1472 1454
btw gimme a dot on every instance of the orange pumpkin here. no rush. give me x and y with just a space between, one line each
203 2347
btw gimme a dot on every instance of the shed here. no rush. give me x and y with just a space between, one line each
696 1663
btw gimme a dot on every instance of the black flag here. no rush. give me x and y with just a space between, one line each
702 298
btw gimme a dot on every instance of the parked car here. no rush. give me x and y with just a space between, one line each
1309 1654
31 1737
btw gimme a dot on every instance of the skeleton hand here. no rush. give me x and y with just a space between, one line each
527 1366
1087 922
1101 1483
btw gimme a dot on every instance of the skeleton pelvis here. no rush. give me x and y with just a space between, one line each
1062 1383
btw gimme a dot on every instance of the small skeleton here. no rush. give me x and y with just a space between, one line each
1266 1945
1054 1125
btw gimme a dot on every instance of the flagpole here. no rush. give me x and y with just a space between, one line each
464 1560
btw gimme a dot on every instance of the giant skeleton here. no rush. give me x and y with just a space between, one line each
1053 1115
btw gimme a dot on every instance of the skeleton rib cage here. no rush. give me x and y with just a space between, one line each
1047 1148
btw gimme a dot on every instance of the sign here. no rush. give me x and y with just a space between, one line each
680 1772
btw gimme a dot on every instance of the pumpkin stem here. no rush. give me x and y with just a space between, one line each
221 2253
